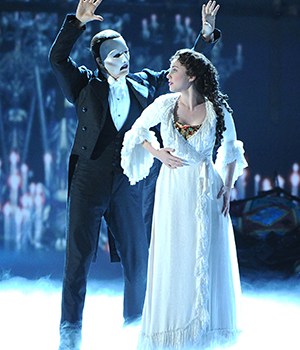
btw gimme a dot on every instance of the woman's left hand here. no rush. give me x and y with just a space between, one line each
225 191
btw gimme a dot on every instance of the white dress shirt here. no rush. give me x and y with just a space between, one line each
119 101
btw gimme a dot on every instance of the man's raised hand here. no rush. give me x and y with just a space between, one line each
85 11
209 13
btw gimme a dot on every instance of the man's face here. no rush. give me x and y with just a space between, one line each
115 57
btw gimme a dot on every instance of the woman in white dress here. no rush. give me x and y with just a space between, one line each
193 280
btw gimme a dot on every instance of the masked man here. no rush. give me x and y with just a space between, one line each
107 103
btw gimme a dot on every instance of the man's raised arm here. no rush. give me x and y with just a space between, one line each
209 34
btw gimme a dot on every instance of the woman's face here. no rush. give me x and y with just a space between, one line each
178 79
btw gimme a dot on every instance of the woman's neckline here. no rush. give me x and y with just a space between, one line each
176 118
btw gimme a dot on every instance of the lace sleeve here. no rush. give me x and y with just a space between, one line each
230 150
136 161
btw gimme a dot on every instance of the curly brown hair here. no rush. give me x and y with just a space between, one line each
206 83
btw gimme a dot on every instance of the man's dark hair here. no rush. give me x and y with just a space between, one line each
99 39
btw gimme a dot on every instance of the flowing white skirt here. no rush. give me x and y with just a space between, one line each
193 280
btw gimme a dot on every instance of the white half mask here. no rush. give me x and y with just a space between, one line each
115 57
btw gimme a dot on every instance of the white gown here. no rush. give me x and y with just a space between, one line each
193 280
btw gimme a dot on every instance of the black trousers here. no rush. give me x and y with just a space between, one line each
98 190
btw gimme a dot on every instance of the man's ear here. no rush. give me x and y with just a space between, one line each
100 64
101 67
98 60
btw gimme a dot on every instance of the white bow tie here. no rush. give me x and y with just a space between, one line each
118 84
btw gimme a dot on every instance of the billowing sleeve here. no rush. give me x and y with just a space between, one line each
136 161
230 150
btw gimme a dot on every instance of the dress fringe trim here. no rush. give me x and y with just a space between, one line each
189 338
172 339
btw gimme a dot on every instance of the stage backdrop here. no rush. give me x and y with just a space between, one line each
258 61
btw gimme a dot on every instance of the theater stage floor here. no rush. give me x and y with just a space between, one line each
30 291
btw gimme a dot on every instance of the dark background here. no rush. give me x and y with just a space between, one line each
258 61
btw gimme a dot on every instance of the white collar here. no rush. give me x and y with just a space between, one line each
115 83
